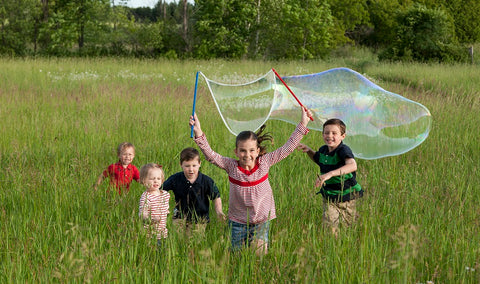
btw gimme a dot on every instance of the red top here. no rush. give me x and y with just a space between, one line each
121 177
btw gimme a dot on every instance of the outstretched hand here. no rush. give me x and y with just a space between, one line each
304 148
195 122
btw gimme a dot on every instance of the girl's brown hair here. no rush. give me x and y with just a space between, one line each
259 136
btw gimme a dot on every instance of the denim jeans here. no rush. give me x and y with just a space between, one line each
243 234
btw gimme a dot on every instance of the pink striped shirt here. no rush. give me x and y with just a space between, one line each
251 198
153 209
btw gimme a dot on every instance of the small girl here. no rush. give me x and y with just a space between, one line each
153 208
122 173
251 204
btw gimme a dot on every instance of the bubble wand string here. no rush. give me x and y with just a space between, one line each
291 92
194 100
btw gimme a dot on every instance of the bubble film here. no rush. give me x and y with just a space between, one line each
379 123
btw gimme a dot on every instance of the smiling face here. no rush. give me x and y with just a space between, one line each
332 136
190 169
154 179
126 156
247 152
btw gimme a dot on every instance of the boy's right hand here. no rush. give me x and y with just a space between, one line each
196 125
304 148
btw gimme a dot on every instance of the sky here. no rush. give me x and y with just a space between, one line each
142 3
147 3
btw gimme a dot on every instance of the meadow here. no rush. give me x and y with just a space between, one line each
63 118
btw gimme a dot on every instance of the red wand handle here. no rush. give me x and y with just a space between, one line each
291 92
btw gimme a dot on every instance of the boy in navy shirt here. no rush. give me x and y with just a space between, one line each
193 192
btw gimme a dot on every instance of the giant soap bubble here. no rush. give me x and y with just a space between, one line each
379 123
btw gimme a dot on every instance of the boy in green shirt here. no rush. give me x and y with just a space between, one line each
339 186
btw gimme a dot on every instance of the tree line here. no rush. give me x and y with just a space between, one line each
421 30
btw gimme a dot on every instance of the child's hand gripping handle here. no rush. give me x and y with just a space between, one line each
291 92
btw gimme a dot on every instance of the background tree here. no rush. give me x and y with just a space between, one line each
424 34
223 27
295 29
17 22
347 15
466 17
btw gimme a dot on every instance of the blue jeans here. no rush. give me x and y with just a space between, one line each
243 234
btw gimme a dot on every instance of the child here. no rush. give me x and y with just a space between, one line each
153 207
193 190
251 204
337 166
123 172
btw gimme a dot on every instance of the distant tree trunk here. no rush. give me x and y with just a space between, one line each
81 23
164 6
470 50
257 34
38 22
185 25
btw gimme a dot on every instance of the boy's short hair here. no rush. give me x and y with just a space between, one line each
337 122
123 146
189 154
146 169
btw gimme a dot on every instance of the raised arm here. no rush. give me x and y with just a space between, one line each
211 156
292 142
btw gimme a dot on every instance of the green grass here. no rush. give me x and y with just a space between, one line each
62 119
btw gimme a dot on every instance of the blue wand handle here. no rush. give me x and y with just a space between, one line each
194 100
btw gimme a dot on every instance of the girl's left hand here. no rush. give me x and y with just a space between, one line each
306 116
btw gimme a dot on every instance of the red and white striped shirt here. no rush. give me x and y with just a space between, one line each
251 198
153 209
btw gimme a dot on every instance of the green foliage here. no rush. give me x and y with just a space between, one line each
347 15
295 29
466 17
253 29
17 20
423 34
223 28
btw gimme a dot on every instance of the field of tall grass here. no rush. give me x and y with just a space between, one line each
62 119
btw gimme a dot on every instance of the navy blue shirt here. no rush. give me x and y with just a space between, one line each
192 199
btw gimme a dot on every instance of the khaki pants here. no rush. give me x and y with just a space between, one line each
336 212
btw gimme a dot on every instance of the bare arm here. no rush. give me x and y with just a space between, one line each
217 203
349 167
99 181
305 149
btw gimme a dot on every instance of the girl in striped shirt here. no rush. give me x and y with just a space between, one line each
153 207
251 204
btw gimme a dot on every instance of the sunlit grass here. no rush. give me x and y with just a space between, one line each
62 119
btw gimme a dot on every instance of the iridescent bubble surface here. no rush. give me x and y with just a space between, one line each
379 123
